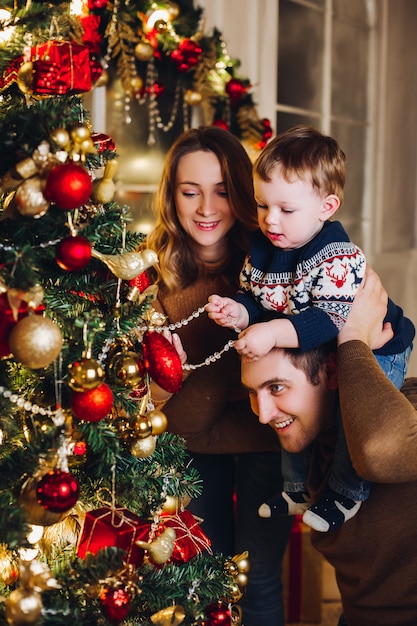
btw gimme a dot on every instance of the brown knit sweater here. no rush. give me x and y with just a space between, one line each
375 553
212 410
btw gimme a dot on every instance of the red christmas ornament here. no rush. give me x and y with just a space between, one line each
60 67
96 4
68 186
102 142
92 405
187 55
73 253
162 361
235 89
57 491
115 604
221 124
218 615
142 282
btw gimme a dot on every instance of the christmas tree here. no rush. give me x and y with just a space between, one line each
93 489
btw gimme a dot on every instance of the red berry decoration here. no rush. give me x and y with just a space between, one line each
57 491
186 55
73 253
115 604
92 405
218 615
68 186
162 361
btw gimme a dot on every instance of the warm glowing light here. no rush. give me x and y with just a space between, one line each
160 14
78 7
5 33
35 534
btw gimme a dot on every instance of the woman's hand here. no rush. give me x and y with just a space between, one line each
366 318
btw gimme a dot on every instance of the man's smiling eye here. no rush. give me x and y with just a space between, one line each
276 388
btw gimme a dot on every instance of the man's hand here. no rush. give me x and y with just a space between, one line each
366 318
227 312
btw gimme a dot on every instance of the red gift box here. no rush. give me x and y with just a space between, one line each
61 67
302 576
113 527
190 539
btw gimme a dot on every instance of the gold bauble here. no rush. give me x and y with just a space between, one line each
231 568
144 51
9 568
117 345
243 564
143 427
25 77
159 421
85 374
126 369
60 137
160 26
236 593
29 198
35 513
143 448
242 580
171 616
173 10
173 504
79 132
104 188
35 341
136 84
192 98
161 548
23 606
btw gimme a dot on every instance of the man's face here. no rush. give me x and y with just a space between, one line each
283 397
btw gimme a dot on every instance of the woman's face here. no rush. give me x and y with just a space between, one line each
202 203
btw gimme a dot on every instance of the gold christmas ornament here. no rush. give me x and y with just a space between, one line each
192 98
128 265
35 341
242 580
85 374
23 607
29 198
173 10
236 593
136 84
159 421
61 138
242 561
143 448
143 427
9 569
173 504
79 132
104 188
160 26
161 549
144 51
25 77
171 616
126 369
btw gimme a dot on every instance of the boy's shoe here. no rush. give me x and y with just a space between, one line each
285 503
331 512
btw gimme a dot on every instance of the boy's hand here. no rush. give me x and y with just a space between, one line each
255 342
227 312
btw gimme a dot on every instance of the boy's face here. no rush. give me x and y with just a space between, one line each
282 396
290 214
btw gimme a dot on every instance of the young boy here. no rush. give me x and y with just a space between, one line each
299 279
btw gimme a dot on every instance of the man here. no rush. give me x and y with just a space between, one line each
374 553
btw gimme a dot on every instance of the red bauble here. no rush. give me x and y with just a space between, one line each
92 405
115 604
73 253
235 90
218 615
102 142
141 282
162 361
57 491
221 124
68 186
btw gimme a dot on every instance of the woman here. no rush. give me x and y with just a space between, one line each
205 211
